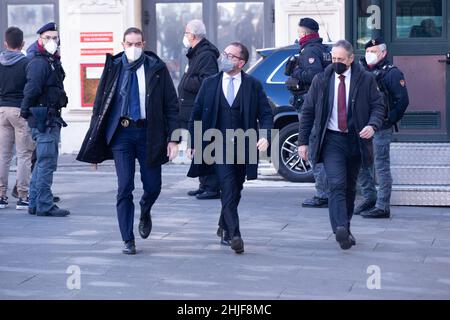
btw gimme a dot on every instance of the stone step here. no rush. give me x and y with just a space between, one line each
420 154
421 195
421 175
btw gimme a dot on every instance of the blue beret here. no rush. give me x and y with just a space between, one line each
375 42
51 26
309 23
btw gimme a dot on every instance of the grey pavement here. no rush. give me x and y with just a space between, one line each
290 251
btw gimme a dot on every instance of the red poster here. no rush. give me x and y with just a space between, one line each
96 51
90 79
96 37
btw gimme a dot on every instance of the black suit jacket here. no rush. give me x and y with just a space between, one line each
255 109
366 103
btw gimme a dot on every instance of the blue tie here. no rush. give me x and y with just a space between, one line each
230 92
134 100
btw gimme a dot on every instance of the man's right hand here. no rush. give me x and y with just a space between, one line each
303 152
24 114
190 153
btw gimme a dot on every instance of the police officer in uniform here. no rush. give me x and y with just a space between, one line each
44 97
313 59
391 82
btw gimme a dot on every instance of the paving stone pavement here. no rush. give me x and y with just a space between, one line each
290 251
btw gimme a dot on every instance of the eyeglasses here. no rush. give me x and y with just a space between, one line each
48 38
231 56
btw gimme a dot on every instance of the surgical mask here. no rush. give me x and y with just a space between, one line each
371 58
133 53
186 42
226 65
339 67
51 47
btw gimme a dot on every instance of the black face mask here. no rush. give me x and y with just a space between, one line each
339 67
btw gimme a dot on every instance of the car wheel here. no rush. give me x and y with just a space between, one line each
291 166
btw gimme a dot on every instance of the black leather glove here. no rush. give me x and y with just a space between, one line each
292 84
24 114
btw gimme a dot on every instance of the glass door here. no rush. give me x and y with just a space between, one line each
28 16
250 22
417 36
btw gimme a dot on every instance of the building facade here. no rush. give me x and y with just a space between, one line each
417 33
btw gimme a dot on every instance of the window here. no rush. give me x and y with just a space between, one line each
30 18
171 19
242 22
368 21
419 19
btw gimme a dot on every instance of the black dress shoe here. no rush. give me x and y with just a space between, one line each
365 206
237 244
145 226
208 195
130 248
54 212
195 192
224 237
352 239
343 237
315 202
376 213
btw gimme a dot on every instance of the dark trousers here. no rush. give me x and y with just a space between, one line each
209 183
128 145
231 180
342 162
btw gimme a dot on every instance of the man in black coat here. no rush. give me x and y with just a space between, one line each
134 117
227 103
391 81
44 97
342 111
313 58
202 56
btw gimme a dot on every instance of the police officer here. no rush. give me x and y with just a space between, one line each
44 96
313 59
391 82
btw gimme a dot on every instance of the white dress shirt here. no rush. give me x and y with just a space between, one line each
333 124
226 82
142 90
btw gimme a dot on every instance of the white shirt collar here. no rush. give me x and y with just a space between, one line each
238 76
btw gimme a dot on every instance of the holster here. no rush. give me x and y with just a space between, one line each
41 116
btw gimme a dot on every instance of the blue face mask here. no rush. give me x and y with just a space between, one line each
226 65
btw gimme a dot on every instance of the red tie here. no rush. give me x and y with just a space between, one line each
342 105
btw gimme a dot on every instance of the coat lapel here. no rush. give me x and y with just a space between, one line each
218 86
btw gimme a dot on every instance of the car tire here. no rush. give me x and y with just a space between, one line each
291 167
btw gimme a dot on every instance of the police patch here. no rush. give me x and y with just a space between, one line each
403 83
312 60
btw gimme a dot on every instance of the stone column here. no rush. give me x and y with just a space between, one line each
88 16
329 14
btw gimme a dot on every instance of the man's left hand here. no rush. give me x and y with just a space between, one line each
263 145
172 150
367 133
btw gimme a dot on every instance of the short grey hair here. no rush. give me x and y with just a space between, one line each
346 45
197 28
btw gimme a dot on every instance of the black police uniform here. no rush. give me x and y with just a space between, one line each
391 82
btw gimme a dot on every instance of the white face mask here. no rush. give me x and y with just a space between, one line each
133 53
371 58
51 47
186 42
